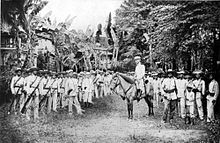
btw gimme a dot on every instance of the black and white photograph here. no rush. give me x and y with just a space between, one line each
110 71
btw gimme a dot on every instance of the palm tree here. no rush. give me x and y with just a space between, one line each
20 15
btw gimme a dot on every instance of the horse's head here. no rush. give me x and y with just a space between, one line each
114 81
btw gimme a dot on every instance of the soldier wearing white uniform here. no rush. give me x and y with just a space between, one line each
106 91
87 90
33 93
45 88
97 84
181 88
17 87
156 87
80 80
212 96
101 84
71 91
199 90
139 75
61 84
92 79
190 100
170 96
55 89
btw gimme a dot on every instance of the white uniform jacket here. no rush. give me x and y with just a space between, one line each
169 84
17 84
213 89
71 87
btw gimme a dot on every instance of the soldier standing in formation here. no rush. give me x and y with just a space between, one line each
33 83
17 88
156 87
181 83
199 89
190 100
213 92
170 96
87 90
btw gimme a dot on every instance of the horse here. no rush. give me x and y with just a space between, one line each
129 92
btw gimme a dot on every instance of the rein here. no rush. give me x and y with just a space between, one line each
119 83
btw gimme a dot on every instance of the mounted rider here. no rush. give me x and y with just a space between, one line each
139 76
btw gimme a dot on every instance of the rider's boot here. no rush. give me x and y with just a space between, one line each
123 98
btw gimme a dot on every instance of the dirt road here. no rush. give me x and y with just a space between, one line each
105 122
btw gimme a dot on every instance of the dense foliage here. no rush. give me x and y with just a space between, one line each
181 35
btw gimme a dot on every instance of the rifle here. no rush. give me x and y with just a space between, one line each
19 98
44 98
24 109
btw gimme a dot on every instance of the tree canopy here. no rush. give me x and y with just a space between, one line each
182 35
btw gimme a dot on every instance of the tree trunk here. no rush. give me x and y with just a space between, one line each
216 51
57 65
85 63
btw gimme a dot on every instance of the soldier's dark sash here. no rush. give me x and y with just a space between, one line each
45 85
61 84
17 82
45 96
197 87
54 89
31 85
24 109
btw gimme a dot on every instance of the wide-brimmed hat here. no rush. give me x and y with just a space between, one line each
92 72
190 86
18 69
181 72
137 58
154 74
33 69
45 72
87 73
197 72
170 71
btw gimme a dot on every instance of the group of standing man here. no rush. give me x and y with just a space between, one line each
35 90
183 93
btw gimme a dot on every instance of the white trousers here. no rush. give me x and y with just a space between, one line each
54 98
34 102
73 100
210 110
182 107
199 105
190 109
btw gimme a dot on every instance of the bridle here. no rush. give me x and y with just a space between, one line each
117 83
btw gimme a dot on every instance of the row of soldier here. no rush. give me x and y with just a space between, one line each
185 94
41 89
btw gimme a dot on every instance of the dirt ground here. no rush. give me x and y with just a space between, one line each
105 122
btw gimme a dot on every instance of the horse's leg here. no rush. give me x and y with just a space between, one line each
146 100
128 108
152 108
150 105
131 108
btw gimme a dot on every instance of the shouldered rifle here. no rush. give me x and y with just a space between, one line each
15 96
45 96
24 108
